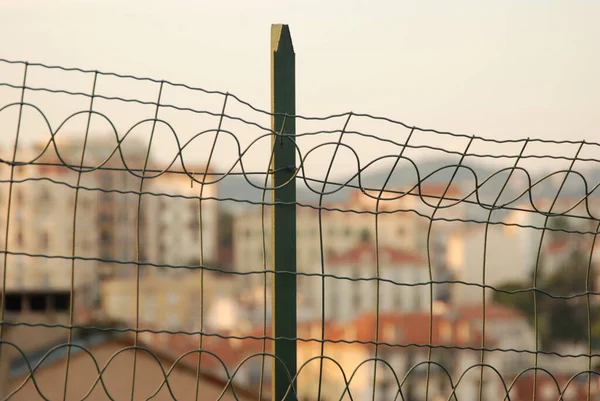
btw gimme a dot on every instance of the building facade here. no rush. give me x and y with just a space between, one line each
174 302
180 221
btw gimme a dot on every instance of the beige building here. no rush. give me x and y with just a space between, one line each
388 270
44 233
499 250
511 252
114 188
399 227
173 302
45 220
180 220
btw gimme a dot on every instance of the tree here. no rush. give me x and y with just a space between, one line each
558 227
562 313
565 313
522 300
225 229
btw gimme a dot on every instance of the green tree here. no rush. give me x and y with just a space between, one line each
522 300
557 227
225 229
565 312
562 310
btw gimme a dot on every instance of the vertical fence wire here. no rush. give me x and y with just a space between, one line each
74 235
138 241
7 231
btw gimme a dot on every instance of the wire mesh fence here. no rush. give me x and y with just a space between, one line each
138 256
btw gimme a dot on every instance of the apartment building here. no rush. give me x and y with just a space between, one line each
363 278
512 252
51 244
493 257
111 175
180 218
174 302
402 223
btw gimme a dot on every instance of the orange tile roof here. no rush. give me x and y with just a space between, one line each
437 190
555 246
493 311
414 328
367 250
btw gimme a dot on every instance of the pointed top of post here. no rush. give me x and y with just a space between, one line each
281 39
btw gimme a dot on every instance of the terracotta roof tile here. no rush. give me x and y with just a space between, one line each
367 251
494 311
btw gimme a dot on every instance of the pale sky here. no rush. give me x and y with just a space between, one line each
497 69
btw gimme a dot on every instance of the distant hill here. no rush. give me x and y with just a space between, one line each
438 171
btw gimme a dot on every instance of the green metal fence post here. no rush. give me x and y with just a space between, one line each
283 98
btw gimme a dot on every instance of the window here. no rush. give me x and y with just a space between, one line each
44 196
397 296
463 331
161 205
106 238
46 279
106 254
173 298
356 298
105 180
173 320
106 197
446 331
85 202
331 232
20 239
19 267
390 334
417 297
194 227
150 308
105 217
116 304
19 196
333 302
44 240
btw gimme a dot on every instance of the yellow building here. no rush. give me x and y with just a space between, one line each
175 302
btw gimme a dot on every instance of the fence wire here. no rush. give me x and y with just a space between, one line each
418 278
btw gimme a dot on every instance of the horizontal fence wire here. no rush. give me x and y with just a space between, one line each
136 254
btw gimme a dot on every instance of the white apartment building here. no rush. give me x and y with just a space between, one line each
42 226
533 223
505 259
43 207
345 299
323 234
397 227
180 220
114 189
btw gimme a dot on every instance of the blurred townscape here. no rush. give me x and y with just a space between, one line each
407 275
